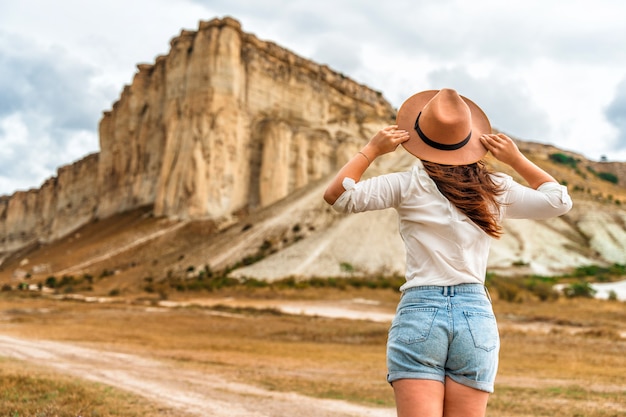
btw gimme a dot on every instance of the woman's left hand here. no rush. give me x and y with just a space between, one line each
385 140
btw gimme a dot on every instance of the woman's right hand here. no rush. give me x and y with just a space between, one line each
501 147
504 149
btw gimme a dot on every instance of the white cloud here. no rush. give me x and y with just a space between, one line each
46 102
18 164
616 114
30 154
14 135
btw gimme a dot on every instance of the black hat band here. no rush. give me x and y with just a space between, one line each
437 145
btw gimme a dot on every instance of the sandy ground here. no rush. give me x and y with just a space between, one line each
188 392
196 393
604 290
352 309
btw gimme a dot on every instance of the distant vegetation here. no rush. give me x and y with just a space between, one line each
519 289
606 176
561 158
579 289
578 283
513 289
600 273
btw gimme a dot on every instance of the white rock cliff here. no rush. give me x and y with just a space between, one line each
224 123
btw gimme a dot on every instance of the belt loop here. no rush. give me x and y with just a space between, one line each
488 295
448 291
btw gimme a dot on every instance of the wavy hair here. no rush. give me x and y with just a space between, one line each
472 190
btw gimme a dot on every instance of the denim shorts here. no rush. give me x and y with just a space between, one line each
445 331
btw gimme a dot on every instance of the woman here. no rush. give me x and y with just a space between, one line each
442 350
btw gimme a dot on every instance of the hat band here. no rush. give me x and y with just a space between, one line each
437 145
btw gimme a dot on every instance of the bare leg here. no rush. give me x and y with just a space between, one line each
463 401
419 397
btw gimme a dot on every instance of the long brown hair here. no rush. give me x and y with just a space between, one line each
472 190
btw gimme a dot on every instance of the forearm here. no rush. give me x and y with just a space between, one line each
354 169
385 140
533 175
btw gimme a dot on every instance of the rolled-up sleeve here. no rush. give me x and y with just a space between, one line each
372 194
548 200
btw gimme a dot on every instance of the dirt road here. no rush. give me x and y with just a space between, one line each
189 392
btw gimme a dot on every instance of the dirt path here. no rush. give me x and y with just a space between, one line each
190 392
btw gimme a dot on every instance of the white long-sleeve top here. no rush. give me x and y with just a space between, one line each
443 246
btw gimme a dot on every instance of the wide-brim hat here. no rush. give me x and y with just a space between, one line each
444 127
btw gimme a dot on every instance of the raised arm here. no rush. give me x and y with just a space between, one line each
504 149
384 141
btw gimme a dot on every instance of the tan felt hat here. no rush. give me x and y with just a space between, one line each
444 127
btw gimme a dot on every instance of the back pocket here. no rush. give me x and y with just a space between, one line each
412 325
484 329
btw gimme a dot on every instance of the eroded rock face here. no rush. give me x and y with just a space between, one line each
223 123
62 204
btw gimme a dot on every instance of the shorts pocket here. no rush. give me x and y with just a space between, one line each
412 325
484 329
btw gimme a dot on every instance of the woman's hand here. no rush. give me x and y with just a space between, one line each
501 147
504 149
384 141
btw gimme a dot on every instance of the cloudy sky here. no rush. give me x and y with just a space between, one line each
552 71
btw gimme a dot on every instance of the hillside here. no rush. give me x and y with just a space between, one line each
301 236
216 158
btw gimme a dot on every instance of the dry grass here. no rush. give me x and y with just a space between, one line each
565 357
555 400
33 391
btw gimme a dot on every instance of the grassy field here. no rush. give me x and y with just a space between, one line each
33 391
565 357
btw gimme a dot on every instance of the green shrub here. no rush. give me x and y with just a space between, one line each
599 271
51 282
579 289
560 158
106 273
346 267
201 282
607 176
67 280
543 289
255 283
